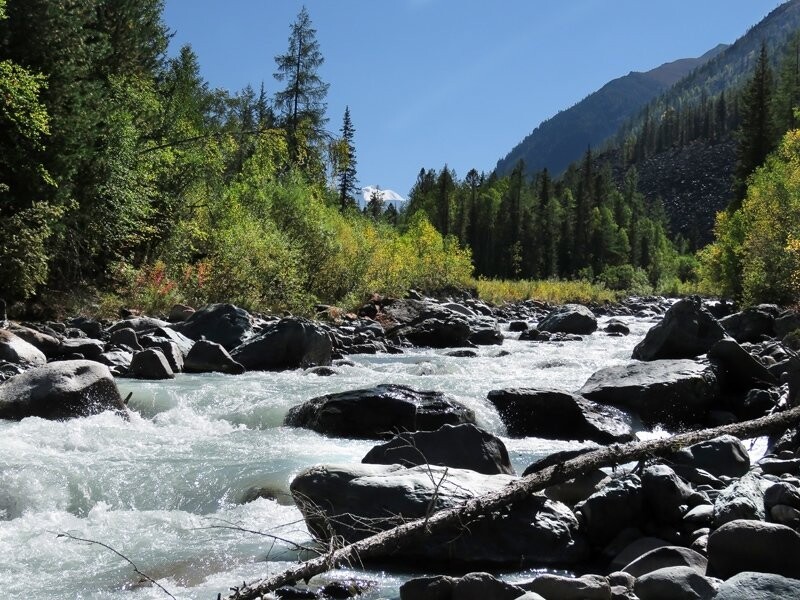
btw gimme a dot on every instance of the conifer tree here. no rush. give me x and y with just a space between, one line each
347 185
301 104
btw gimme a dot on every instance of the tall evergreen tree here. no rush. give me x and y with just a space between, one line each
301 104
348 183
755 136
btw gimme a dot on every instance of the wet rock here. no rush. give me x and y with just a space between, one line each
438 587
745 545
320 371
485 333
171 352
517 326
482 586
616 326
60 390
570 318
210 357
291 343
458 446
462 354
533 531
559 415
225 324
587 587
686 331
150 364
15 350
676 393
378 412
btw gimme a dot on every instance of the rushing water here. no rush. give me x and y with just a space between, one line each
167 487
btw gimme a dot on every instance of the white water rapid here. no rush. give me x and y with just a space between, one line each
166 487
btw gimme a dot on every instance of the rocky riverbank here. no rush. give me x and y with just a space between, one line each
708 506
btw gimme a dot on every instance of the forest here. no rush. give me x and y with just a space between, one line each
126 179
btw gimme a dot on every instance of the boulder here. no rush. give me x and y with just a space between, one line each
127 337
570 318
179 313
667 497
150 364
378 412
723 455
748 585
745 545
686 331
90 327
740 369
291 343
171 352
14 349
675 583
616 326
225 324
60 390
209 357
787 322
86 347
553 414
340 500
118 361
459 446
676 393
167 333
666 556
613 508
485 333
437 587
138 324
752 324
484 586
48 344
450 332
742 499
587 587
518 326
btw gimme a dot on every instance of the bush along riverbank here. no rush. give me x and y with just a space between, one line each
702 522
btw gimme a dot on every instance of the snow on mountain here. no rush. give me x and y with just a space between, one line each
389 197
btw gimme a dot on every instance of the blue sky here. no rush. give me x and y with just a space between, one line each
460 82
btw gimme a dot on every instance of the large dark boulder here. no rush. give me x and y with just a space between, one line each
378 412
739 369
570 318
752 324
87 347
611 509
291 343
150 364
60 390
449 332
667 498
485 332
745 545
339 500
459 446
742 499
553 414
209 357
15 350
686 331
225 324
723 455
676 393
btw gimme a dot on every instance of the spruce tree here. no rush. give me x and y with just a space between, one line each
755 136
301 104
348 182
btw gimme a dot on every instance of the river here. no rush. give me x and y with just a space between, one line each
166 487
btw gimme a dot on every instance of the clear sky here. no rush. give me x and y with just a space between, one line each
457 82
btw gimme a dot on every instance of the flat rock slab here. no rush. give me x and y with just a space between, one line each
676 393
378 412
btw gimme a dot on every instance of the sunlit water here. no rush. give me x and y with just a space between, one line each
166 488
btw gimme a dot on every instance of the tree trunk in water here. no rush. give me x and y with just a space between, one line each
401 535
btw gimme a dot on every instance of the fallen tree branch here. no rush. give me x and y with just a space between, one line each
406 533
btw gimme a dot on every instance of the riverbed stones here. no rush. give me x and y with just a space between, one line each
50 345
746 545
209 357
666 556
225 324
749 585
291 343
554 414
150 364
586 587
570 318
675 583
676 393
353 501
378 412
60 390
459 446
686 331
15 350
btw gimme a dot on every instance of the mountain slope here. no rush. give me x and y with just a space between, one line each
558 141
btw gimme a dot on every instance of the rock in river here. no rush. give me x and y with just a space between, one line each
291 343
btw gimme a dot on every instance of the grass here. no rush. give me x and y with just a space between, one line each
554 291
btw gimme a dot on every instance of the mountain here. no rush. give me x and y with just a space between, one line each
560 140
388 196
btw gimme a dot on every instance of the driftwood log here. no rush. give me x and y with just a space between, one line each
454 518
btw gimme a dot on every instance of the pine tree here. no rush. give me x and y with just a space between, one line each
301 104
755 136
347 186
374 207
787 96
